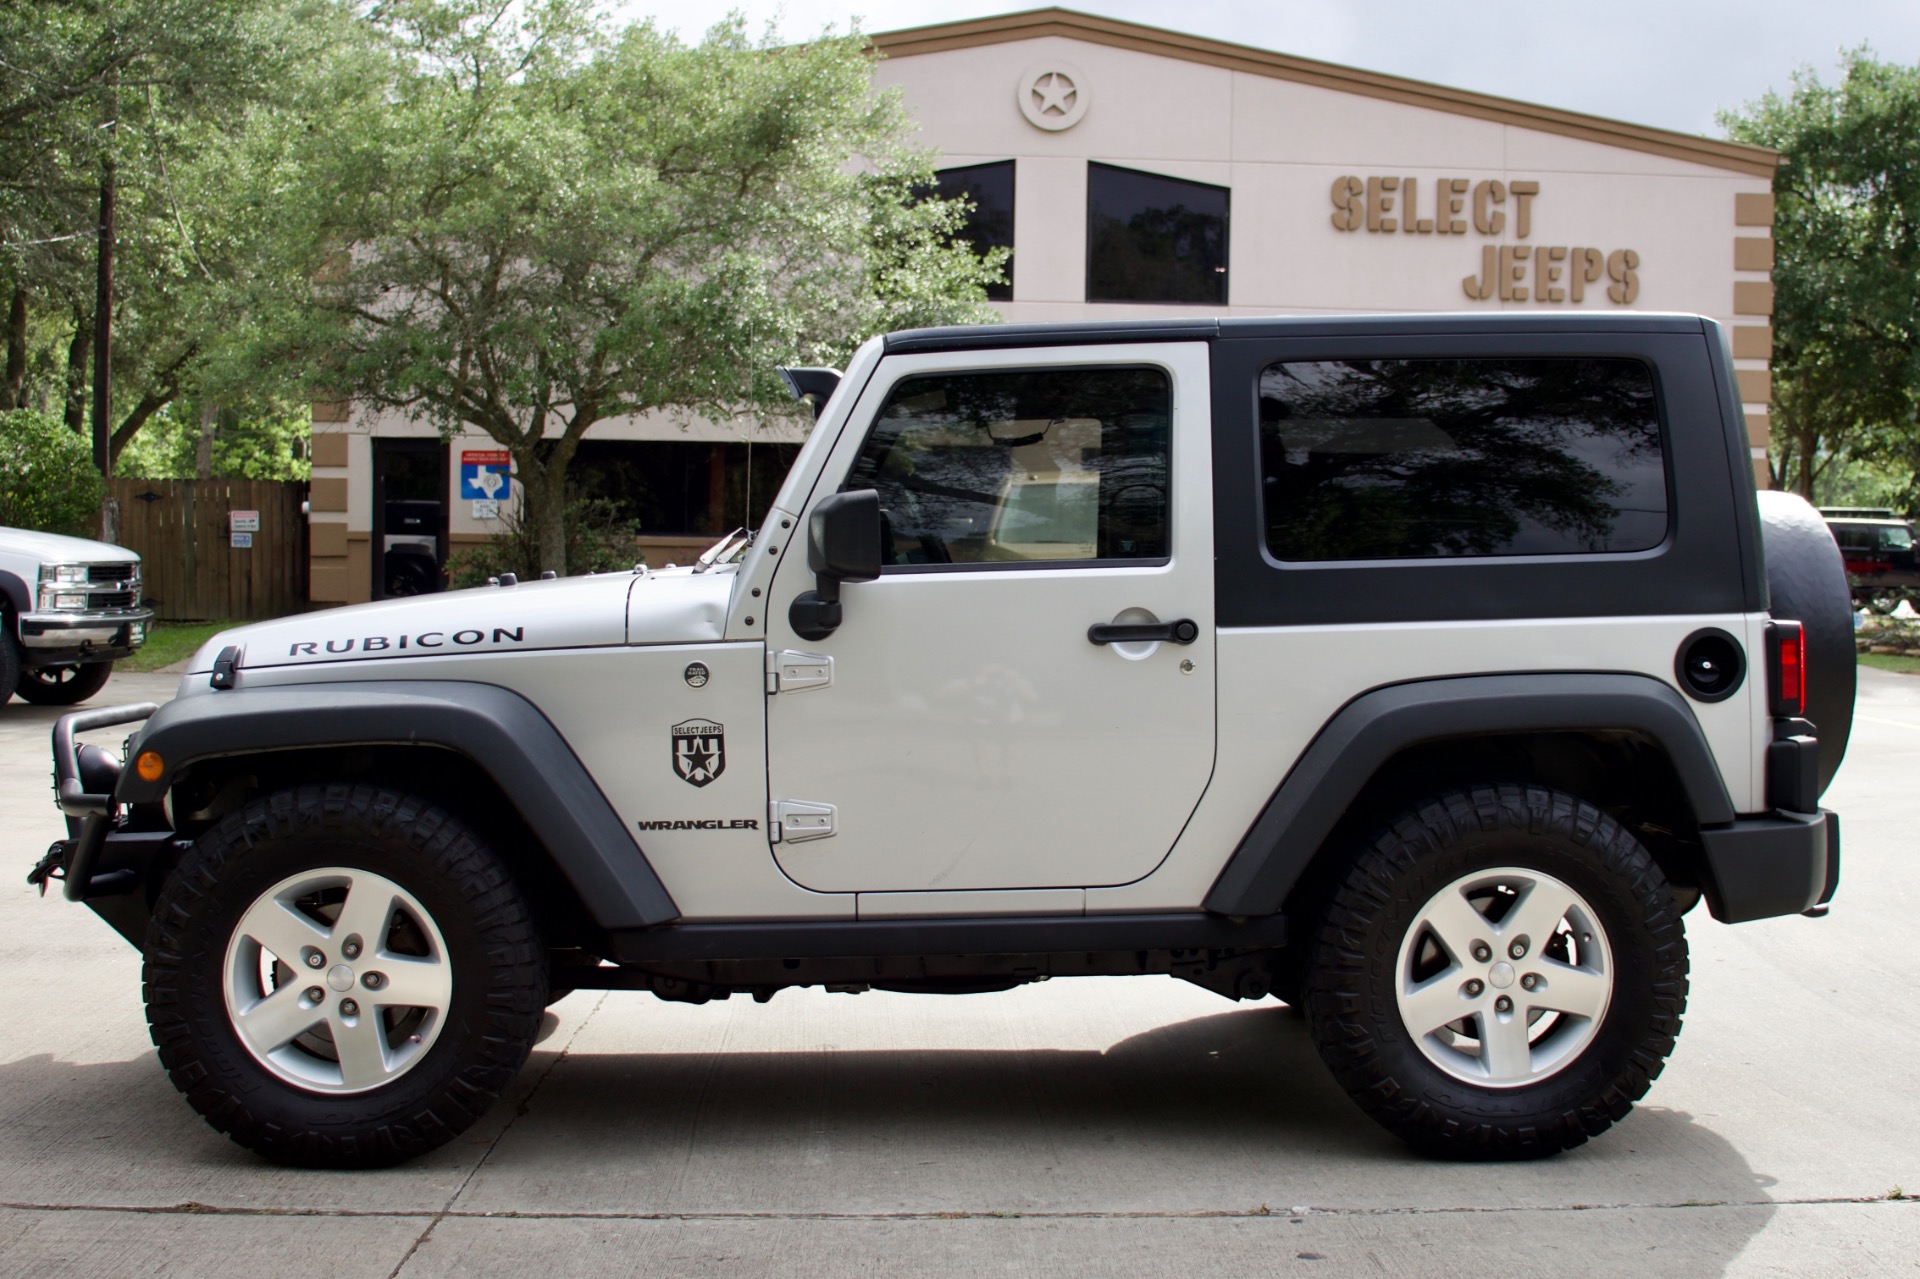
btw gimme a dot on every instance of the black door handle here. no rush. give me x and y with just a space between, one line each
1184 631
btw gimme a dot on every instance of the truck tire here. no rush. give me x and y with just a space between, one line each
1501 975
1807 583
9 659
62 685
342 976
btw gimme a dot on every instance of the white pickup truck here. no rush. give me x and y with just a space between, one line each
69 609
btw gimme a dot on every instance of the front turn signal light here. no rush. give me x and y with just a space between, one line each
150 766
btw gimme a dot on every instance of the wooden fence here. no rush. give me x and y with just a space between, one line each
193 571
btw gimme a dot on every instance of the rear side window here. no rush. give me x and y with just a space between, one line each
1442 458
1040 466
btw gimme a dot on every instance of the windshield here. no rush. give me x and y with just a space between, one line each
1897 539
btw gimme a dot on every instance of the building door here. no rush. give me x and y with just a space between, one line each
973 735
409 517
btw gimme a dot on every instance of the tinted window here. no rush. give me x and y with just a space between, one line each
1406 459
989 188
1154 239
1039 466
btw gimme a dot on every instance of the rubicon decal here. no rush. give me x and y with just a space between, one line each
701 823
425 640
699 751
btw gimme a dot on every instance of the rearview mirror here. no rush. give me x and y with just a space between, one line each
843 545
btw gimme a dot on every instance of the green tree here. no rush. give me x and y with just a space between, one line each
526 224
1847 258
156 92
47 480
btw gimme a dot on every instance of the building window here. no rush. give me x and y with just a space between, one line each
1423 459
679 488
989 188
1030 468
1155 239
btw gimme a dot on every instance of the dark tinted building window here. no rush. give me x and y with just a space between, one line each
674 486
1410 459
990 225
1045 466
1154 239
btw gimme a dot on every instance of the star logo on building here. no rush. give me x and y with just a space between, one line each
1055 93
1052 96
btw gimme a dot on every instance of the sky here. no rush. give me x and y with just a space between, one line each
1667 63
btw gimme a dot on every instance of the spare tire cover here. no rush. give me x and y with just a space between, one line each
1807 582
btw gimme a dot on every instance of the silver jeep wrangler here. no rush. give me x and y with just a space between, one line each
1420 671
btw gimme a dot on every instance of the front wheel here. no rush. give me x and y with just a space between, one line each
1501 975
62 685
342 976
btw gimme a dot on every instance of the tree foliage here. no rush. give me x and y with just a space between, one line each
47 480
157 92
519 221
1847 257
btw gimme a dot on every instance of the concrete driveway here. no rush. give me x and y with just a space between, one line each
1107 1127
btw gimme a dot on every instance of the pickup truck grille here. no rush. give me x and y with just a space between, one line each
123 572
112 599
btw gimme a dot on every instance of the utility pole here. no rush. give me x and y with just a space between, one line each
103 325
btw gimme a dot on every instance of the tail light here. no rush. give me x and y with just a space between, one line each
1787 668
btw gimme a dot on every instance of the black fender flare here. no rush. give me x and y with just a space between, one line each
1377 725
499 730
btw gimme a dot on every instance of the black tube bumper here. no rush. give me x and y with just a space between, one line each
1782 863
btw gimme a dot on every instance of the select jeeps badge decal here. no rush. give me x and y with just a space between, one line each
699 751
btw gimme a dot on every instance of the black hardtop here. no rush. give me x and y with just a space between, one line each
1210 328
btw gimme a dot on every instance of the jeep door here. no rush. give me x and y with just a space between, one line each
974 736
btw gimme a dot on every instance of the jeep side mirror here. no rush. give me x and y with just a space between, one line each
843 545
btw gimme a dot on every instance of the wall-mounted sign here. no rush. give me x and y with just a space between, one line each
1393 205
243 521
486 509
485 474
1052 95
241 541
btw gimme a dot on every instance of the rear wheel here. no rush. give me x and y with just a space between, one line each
1501 975
62 685
342 977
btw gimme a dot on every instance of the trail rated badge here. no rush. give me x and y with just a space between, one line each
699 751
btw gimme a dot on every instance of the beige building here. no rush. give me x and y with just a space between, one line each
1138 172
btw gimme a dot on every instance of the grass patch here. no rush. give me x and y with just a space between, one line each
170 642
1895 662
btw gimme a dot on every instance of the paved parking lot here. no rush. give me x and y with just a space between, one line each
1107 1127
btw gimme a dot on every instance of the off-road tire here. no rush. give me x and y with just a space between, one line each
62 685
1351 999
498 968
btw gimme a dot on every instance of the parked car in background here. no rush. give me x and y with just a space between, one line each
1878 549
69 609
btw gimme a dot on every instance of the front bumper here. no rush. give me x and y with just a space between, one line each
120 629
1780 863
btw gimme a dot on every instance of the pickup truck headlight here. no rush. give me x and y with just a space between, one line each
64 574
63 601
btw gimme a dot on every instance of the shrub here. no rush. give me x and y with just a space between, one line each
599 540
47 480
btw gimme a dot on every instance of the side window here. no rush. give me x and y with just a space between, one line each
1041 466
1418 459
